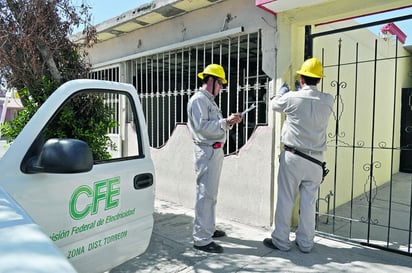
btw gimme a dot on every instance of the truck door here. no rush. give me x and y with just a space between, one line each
99 215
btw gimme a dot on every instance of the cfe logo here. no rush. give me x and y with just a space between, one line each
85 200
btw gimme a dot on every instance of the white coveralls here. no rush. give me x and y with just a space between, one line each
307 114
207 126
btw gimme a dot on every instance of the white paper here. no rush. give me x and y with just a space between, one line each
253 106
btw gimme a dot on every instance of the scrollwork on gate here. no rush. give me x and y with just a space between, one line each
370 188
340 106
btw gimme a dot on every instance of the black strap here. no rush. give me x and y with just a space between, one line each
299 153
314 160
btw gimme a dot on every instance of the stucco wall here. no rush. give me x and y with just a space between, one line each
175 176
245 185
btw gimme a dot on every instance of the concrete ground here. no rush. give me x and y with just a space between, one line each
390 225
171 250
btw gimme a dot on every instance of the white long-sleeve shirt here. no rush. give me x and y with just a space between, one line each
307 116
205 120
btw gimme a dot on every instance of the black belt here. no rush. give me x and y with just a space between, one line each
293 150
314 160
216 145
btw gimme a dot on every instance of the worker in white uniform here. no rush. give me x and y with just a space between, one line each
307 114
208 129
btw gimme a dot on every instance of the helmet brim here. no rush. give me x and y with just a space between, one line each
201 75
308 74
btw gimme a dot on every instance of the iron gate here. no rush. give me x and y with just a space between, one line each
367 195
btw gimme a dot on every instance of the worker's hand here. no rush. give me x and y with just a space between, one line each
283 89
297 85
234 118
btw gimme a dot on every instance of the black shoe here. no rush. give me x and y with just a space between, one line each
268 242
218 233
301 249
212 248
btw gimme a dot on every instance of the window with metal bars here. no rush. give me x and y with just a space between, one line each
165 81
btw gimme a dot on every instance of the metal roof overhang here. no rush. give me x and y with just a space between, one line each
318 12
276 6
143 16
315 12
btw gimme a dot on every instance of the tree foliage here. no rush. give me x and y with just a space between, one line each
34 42
37 56
88 117
85 116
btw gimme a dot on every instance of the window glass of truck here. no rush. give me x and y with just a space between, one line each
106 121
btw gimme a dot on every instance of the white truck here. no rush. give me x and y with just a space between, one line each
61 210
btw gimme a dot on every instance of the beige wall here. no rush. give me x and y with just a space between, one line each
377 111
378 121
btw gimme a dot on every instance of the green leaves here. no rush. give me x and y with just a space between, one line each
85 117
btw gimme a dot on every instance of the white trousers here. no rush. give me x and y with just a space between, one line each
296 175
208 167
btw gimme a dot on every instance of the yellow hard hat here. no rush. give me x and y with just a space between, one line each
312 68
214 70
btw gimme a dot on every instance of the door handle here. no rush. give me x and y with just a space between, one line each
142 181
410 106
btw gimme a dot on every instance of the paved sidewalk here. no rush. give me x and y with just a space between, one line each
171 250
